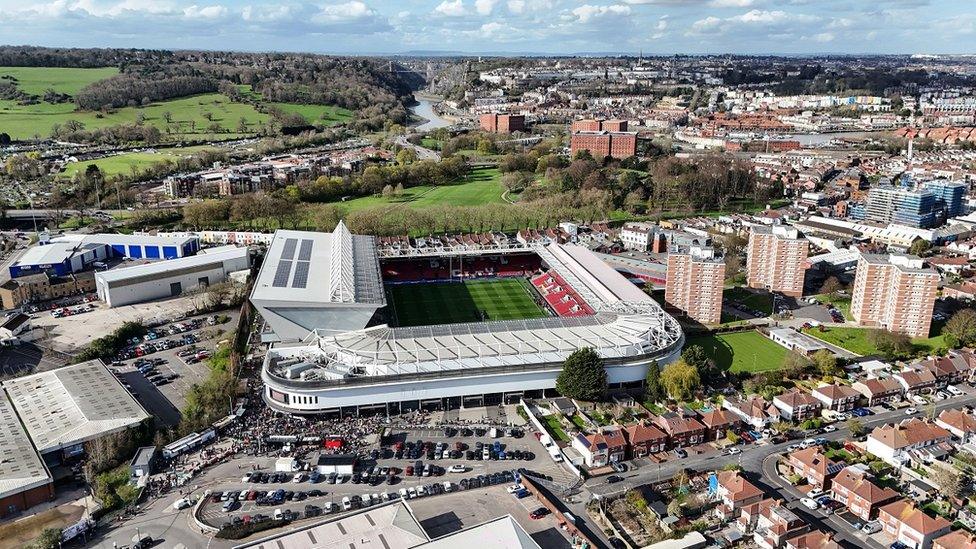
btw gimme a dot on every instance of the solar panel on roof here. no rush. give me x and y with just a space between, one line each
300 280
281 274
288 252
305 252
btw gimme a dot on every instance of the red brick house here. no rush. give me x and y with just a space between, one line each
735 492
908 524
811 464
816 539
854 488
682 428
960 539
718 422
797 405
876 391
644 439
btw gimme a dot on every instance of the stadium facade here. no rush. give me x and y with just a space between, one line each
345 365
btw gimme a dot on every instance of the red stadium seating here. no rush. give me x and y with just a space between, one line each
441 268
560 296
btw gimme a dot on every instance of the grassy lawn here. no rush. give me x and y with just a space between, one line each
552 424
742 352
578 422
188 115
432 143
481 186
842 303
856 341
125 163
757 300
454 302
37 80
327 115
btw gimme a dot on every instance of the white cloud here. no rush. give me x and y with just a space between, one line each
343 12
662 23
450 8
706 25
587 12
205 12
824 37
484 7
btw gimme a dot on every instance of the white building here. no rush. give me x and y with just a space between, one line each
160 280
637 236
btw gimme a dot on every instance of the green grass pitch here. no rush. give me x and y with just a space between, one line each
456 302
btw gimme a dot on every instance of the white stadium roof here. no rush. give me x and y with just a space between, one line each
21 468
74 404
394 526
311 267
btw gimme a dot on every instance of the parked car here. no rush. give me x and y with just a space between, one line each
809 504
872 527
538 513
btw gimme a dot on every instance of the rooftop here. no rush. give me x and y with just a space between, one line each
125 276
307 267
21 468
71 405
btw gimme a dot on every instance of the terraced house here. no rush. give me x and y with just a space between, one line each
797 405
896 443
812 465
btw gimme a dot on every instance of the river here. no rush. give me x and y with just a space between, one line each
425 109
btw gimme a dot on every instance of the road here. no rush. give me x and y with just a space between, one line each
423 153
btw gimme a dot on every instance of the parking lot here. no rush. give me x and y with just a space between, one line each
167 399
28 358
332 494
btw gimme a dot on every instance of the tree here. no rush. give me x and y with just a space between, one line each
855 426
960 330
891 345
696 356
50 538
919 247
168 117
675 509
388 192
826 363
795 365
680 379
654 392
583 376
831 287
948 481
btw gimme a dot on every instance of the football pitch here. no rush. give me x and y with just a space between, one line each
455 302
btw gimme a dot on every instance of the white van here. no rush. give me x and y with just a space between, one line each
404 494
278 513
346 503
448 487
329 507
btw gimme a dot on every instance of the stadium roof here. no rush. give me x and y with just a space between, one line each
151 271
394 526
308 268
21 468
71 405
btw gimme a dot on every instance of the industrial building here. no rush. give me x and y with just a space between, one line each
164 279
349 366
24 479
64 408
72 253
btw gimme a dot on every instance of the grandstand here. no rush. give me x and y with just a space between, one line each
459 327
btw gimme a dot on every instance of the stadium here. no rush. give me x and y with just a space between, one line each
358 330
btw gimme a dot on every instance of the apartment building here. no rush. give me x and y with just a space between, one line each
895 292
44 287
602 144
797 405
598 125
638 235
695 279
502 123
776 261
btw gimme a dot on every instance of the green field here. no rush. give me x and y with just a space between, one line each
481 186
37 80
123 164
843 304
455 302
327 115
742 351
189 117
856 340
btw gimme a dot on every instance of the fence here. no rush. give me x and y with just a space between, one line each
538 425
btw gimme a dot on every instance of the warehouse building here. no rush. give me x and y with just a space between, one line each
24 479
73 253
64 408
166 279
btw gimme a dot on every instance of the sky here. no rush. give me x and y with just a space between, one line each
500 26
